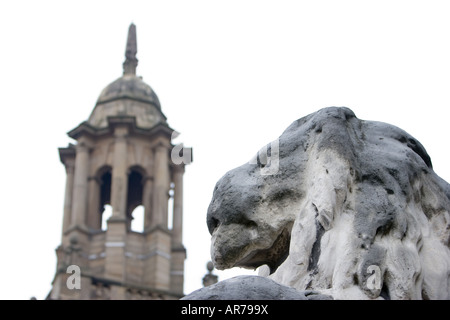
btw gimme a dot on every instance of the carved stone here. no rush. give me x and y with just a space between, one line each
252 288
346 207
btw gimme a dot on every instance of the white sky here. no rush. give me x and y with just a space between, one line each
230 75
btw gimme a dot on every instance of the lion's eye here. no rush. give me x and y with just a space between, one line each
250 224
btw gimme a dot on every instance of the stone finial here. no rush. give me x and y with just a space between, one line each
209 278
131 62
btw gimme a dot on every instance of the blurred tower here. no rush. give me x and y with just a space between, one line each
124 158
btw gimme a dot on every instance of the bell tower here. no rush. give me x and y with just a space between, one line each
123 158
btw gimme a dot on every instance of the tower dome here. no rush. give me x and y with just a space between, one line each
128 95
129 86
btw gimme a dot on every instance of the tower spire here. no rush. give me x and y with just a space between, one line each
130 64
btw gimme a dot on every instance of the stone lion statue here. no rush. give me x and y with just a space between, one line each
349 208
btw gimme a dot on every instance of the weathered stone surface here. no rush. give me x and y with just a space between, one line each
347 207
252 288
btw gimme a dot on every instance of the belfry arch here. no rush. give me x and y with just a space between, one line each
135 194
105 188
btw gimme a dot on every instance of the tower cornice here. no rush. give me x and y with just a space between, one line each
85 129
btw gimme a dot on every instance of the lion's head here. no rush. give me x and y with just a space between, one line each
348 207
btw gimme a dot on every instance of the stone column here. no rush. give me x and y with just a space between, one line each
69 164
178 252
94 219
119 174
80 185
117 225
157 249
160 187
177 228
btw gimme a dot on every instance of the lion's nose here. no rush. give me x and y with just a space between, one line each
212 216
215 215
212 223
215 210
232 202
